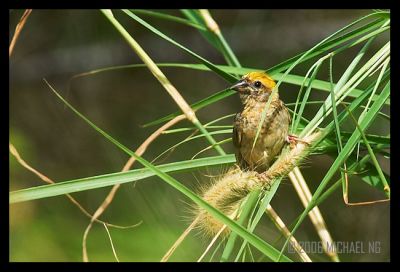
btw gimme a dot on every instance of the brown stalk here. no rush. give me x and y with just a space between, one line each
283 229
315 215
46 179
179 240
18 29
109 198
346 196
210 23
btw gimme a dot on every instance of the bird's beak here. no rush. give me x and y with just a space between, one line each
239 85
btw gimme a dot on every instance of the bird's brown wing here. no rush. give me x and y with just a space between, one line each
237 139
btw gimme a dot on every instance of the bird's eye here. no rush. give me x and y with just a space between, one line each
257 84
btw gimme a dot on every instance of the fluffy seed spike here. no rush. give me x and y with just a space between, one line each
228 190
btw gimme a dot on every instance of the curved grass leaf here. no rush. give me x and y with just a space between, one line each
260 212
226 131
168 17
378 168
248 206
95 182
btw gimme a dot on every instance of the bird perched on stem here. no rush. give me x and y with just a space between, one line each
258 168
255 89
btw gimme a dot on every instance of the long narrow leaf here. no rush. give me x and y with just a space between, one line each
89 183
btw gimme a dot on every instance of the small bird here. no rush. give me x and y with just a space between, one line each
255 89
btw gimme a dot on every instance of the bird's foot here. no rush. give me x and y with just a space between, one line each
262 176
293 140
265 180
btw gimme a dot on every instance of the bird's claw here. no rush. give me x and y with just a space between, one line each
293 140
261 176
265 180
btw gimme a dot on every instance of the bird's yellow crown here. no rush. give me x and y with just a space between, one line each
265 79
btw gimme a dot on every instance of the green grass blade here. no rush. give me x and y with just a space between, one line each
336 121
370 175
95 182
306 95
247 208
372 138
260 212
168 17
373 157
209 137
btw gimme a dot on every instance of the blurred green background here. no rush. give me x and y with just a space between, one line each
57 44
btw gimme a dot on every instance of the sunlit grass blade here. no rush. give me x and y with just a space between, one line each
382 177
184 129
188 139
338 135
372 138
296 118
169 17
95 182
265 201
247 207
